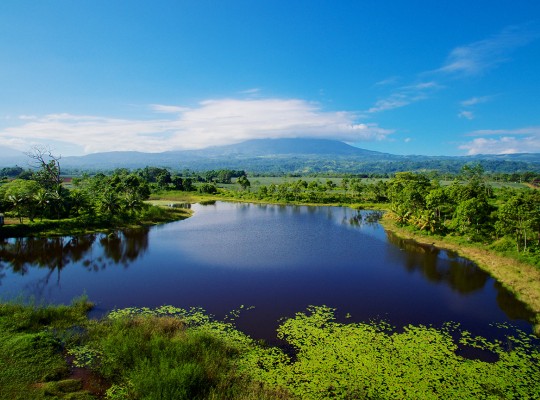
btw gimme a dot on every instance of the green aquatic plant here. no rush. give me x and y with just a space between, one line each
371 360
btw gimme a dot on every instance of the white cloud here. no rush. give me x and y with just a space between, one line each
167 109
466 114
251 91
522 140
477 57
475 100
27 117
530 130
212 122
388 81
504 145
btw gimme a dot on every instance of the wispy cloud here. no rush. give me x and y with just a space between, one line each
530 130
388 81
404 96
463 61
477 57
507 141
251 91
212 122
475 100
160 108
466 114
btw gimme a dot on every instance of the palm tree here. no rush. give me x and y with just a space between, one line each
42 198
110 203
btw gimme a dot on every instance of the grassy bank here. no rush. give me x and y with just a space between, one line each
153 215
520 278
171 353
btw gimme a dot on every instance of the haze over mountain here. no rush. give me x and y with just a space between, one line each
298 156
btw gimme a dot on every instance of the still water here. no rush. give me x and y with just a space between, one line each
278 259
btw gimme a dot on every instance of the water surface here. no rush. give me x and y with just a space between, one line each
279 259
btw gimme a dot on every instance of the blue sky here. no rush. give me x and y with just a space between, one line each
404 77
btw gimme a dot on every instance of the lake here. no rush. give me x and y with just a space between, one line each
278 259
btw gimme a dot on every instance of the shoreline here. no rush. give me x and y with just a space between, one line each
522 279
73 227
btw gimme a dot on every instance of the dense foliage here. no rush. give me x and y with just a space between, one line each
85 200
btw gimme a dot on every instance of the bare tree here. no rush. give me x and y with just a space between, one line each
47 166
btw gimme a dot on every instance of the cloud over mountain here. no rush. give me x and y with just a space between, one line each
211 122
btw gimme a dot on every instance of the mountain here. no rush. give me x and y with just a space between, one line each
295 156
266 147
11 157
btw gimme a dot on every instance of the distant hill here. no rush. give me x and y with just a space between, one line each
10 157
294 156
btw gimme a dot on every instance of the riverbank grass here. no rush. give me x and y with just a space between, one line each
31 340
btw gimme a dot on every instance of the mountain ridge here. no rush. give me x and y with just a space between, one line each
295 155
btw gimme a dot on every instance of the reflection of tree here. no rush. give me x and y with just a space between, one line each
458 273
125 247
55 253
369 218
511 306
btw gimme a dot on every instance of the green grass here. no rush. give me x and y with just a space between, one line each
31 342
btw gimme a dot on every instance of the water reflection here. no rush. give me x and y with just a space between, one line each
20 255
440 266
368 218
460 274
511 306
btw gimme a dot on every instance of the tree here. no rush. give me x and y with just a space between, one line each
110 203
164 179
42 201
519 217
243 181
209 188
20 194
47 167
472 216
177 182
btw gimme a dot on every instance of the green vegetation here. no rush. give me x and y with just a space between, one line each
370 360
90 203
31 341
171 353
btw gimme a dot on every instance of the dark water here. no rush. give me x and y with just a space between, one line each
279 259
